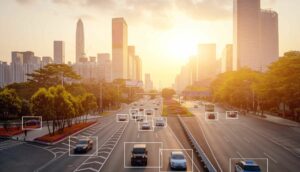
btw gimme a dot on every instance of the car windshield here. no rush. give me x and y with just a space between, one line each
83 142
177 156
138 150
251 168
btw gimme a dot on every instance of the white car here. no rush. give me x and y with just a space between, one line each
177 160
160 122
122 117
145 126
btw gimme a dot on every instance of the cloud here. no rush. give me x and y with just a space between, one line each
206 9
156 13
25 2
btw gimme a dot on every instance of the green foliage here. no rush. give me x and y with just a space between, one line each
60 107
52 75
10 103
280 84
167 93
235 88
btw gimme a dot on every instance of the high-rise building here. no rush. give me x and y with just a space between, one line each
79 40
131 54
17 57
148 82
193 67
119 49
46 60
4 74
59 52
246 31
138 66
103 59
226 59
28 57
269 37
206 61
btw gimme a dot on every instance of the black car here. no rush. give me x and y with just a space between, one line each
139 155
83 146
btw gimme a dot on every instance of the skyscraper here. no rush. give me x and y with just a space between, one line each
269 37
59 52
246 31
148 82
79 40
131 54
206 61
138 66
119 49
226 63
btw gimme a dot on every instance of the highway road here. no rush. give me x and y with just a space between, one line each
111 151
274 147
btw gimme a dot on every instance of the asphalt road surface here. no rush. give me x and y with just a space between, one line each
274 147
113 142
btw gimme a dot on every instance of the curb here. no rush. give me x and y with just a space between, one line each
53 143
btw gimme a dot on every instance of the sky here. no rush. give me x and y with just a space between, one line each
165 32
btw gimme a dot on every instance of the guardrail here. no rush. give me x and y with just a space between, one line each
208 165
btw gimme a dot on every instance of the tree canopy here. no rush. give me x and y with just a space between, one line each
53 74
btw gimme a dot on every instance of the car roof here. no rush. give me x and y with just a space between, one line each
177 153
249 163
139 146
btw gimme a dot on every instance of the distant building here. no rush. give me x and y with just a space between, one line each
105 65
93 70
148 82
119 49
138 67
227 63
93 59
46 60
131 55
59 52
207 67
269 37
5 76
79 40
193 67
246 31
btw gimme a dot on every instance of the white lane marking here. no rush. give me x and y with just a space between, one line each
271 158
138 135
182 147
219 166
68 145
156 135
247 140
226 139
240 155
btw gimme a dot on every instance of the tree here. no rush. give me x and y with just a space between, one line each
283 81
52 74
236 88
88 102
42 104
167 93
10 105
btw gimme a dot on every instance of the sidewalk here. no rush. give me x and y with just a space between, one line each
278 120
33 134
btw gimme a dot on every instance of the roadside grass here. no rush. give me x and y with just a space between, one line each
67 131
173 108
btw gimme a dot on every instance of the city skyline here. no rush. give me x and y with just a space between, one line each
98 33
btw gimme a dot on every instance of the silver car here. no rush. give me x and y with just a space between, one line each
177 160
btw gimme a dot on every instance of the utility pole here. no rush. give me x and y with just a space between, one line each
62 78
